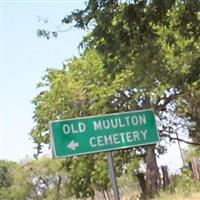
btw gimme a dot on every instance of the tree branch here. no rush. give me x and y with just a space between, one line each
180 139
167 100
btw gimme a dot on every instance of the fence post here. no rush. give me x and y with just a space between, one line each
195 164
165 174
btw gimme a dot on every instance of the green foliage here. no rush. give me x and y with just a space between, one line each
6 168
151 50
40 179
192 152
185 181
80 177
146 60
6 194
99 176
137 55
6 181
188 107
81 88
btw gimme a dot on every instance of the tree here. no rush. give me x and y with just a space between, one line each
6 169
80 88
40 179
147 55
158 42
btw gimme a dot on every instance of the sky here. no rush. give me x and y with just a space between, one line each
24 59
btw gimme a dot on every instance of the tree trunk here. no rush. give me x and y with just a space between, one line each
152 172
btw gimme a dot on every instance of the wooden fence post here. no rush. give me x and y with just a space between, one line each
166 180
195 165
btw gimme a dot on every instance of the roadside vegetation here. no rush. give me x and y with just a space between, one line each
136 55
49 179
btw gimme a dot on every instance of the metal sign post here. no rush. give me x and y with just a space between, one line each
103 133
113 176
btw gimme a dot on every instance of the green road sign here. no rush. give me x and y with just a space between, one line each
94 134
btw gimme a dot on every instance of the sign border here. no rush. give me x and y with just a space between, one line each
98 151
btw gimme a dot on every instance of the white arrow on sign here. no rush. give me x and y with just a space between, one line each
73 145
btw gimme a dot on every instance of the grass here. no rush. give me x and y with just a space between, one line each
167 196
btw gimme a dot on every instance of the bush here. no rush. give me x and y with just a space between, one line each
184 183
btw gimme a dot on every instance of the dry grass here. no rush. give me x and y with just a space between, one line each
192 196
